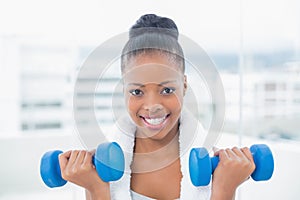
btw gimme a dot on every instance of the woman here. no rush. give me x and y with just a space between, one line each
154 84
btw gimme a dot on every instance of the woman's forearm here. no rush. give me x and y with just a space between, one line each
98 195
222 195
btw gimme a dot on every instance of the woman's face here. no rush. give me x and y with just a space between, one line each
154 87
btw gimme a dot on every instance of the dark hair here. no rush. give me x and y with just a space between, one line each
153 34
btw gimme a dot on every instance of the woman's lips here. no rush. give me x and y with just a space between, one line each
155 122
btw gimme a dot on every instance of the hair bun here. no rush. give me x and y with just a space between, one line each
153 23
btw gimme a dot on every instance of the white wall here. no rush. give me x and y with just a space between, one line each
19 170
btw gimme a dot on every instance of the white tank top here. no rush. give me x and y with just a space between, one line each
137 196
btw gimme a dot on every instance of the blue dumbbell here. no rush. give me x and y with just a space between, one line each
201 166
108 160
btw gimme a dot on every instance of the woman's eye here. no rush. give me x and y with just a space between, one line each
136 92
168 90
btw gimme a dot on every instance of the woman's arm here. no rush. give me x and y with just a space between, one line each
77 167
234 167
99 195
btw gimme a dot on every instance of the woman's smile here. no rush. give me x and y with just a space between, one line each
155 122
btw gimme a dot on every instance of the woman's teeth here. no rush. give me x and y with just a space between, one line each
155 121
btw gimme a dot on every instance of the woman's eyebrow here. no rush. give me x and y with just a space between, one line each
160 84
136 84
166 82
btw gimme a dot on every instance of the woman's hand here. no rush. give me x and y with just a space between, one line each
77 167
235 166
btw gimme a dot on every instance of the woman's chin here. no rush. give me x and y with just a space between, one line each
160 134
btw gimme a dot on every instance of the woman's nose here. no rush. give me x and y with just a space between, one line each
153 104
154 108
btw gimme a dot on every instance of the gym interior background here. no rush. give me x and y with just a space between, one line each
254 44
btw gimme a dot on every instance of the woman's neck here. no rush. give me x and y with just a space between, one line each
151 154
147 145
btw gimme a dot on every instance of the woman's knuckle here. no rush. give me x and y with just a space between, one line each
253 166
221 151
238 162
246 149
250 166
227 162
245 165
74 171
66 174
75 151
83 166
235 148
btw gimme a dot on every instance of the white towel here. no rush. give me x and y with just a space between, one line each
191 135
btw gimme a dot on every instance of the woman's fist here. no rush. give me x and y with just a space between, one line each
77 167
235 166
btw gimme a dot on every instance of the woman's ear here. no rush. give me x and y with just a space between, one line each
184 84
